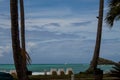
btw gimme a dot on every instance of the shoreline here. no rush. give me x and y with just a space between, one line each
47 67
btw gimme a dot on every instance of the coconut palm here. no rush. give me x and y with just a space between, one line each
23 31
15 40
23 49
95 58
113 13
22 24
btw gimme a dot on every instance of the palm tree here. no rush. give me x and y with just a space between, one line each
23 49
15 40
113 13
95 58
22 24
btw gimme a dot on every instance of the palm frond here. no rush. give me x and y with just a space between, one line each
116 71
113 13
110 19
116 68
25 56
112 3
28 58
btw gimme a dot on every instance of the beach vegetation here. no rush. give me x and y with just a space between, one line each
80 76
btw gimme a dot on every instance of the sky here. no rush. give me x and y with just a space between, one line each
60 31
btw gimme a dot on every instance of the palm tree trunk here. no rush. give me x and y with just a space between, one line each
22 24
23 34
94 61
15 40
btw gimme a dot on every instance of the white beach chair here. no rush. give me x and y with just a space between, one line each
69 71
53 71
13 72
61 72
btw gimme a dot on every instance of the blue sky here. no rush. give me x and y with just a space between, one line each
60 31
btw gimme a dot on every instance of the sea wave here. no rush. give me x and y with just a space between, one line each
40 73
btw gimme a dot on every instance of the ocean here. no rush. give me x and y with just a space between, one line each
47 67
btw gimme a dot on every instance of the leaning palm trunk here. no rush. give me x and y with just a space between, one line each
26 55
94 61
15 40
23 52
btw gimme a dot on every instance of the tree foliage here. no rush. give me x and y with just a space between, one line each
113 13
116 71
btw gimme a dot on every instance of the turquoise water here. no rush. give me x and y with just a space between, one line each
42 67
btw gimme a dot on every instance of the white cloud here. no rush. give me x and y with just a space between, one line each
65 25
64 49
30 46
48 46
61 15
58 40
5 50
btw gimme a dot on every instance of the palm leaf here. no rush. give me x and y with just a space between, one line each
116 68
116 71
113 2
113 13
25 56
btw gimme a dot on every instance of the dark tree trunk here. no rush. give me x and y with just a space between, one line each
23 34
15 40
94 61
22 24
